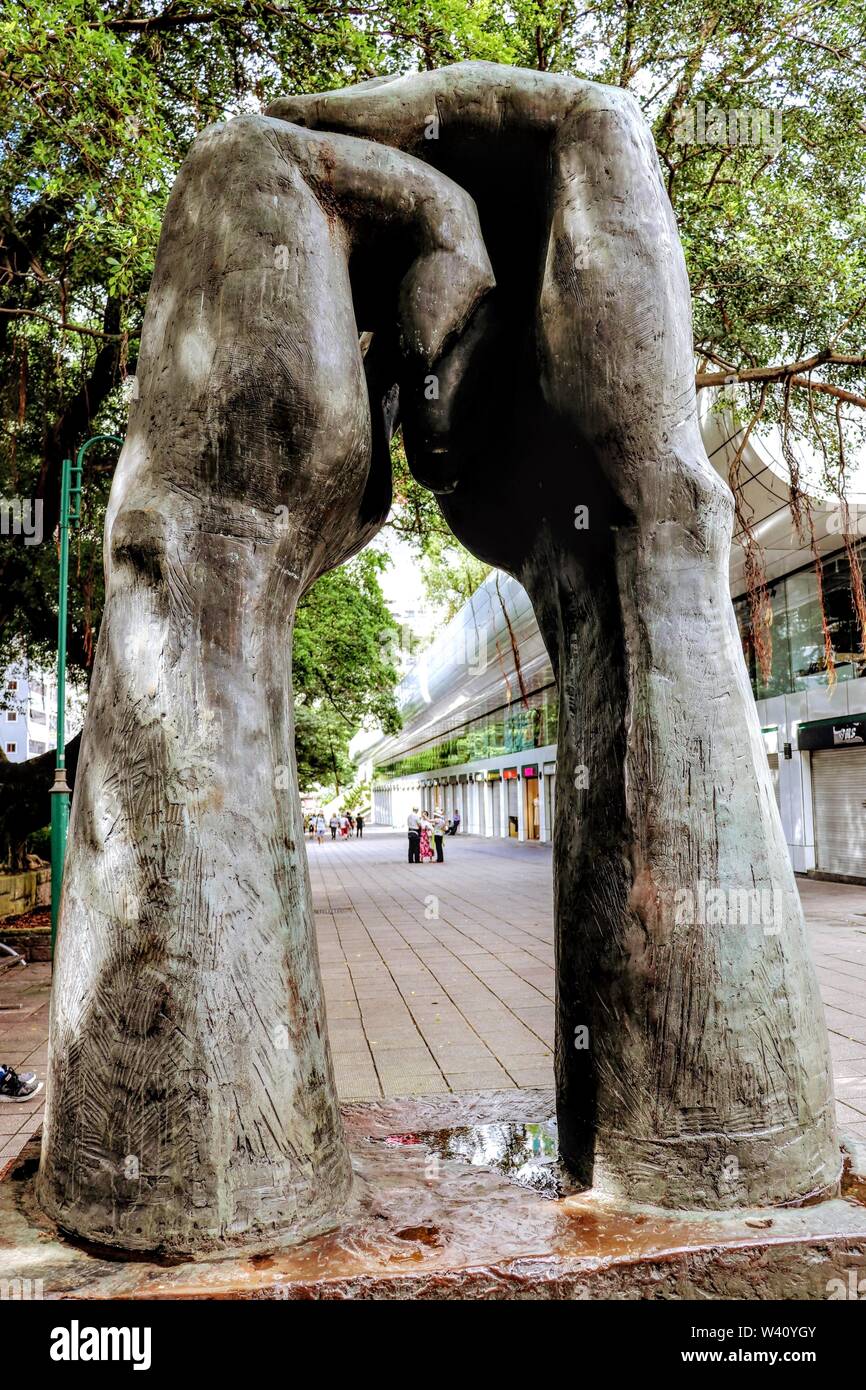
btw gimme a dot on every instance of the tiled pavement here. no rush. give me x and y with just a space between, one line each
836 915
24 1046
440 977
437 977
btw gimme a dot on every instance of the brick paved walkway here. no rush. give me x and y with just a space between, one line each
440 977
455 992
24 1046
437 977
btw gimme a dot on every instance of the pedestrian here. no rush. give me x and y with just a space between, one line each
335 825
455 821
320 828
440 825
359 828
413 826
344 826
424 846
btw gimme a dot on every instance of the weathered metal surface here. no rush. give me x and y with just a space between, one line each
191 1102
692 1058
420 1226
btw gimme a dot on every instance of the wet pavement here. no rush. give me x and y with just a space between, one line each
436 1218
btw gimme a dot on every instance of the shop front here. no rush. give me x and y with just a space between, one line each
837 754
510 778
531 801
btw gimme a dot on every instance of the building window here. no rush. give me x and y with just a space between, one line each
11 747
514 728
11 716
12 685
796 634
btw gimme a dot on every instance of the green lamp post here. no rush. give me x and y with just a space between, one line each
70 517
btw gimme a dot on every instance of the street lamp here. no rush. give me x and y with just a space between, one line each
70 516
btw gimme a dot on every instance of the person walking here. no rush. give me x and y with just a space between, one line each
335 825
455 821
344 826
440 826
359 828
424 845
320 828
413 827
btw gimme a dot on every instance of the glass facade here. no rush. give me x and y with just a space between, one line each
796 633
513 728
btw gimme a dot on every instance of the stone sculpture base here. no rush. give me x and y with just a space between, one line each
424 1225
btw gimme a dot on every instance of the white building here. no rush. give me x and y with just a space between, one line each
28 712
479 734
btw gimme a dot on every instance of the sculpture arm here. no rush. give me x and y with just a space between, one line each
706 1080
192 1100
414 110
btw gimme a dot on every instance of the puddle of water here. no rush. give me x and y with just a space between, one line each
526 1154
427 1235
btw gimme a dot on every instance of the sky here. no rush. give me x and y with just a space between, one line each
402 586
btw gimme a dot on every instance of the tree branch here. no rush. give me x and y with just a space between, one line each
790 371
75 419
826 389
66 327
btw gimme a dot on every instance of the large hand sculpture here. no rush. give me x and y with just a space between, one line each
704 1078
191 1102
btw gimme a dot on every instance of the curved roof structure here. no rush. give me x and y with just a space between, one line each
765 497
491 654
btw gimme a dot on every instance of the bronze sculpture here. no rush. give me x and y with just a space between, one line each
479 226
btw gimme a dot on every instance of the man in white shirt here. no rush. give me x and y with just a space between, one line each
413 825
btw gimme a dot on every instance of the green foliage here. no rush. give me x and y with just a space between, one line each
342 669
450 575
99 104
39 842
357 797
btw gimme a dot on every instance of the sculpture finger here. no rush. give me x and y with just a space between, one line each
414 111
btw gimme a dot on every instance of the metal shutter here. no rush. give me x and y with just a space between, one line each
839 800
773 760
